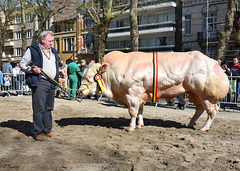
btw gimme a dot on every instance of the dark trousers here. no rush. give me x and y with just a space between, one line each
181 100
42 103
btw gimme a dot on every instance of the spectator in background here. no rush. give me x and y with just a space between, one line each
1 80
19 80
73 72
16 71
7 82
83 65
235 70
7 68
232 85
62 77
82 68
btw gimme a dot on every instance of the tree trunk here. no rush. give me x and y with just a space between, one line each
225 34
24 32
102 41
134 25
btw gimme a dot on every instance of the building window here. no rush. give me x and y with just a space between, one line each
88 22
29 33
18 35
188 25
18 19
211 24
57 28
28 17
57 45
69 27
88 41
18 51
69 44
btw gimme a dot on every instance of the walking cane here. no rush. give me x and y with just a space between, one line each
54 82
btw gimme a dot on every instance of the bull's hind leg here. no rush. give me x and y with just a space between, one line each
140 118
199 109
211 111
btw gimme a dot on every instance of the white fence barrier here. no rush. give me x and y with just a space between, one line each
15 85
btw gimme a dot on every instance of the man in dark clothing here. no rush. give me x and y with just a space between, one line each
42 56
235 70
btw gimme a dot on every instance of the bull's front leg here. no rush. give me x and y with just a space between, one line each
133 114
140 118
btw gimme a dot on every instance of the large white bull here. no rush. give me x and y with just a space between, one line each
128 79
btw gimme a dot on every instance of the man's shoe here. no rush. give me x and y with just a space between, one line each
40 138
51 134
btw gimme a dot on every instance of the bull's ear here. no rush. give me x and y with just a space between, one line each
103 68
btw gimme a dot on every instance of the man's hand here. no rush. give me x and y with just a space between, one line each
36 70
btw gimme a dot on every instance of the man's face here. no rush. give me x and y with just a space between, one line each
235 61
61 63
47 42
83 62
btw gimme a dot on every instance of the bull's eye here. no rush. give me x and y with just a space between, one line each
90 78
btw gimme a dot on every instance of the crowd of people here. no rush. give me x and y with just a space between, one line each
232 70
70 75
11 78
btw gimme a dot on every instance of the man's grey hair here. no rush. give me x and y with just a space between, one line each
44 34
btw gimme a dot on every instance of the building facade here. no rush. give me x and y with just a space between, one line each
203 20
13 40
156 25
164 26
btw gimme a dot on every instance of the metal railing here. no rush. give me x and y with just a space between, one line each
13 85
231 100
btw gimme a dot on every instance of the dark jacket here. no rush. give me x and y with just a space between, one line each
32 80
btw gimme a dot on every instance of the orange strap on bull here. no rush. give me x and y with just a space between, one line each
155 76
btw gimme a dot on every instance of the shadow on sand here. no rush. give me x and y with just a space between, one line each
24 127
117 123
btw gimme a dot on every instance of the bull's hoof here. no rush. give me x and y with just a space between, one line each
204 129
139 126
130 129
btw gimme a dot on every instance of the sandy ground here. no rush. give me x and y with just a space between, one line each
93 136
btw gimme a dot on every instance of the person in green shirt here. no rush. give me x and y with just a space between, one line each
73 71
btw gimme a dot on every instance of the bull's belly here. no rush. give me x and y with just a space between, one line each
172 91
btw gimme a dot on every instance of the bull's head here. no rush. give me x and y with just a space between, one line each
88 85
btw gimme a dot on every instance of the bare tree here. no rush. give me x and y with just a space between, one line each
7 14
134 25
45 10
23 26
102 13
225 34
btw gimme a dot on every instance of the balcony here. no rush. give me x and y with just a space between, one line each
10 28
8 42
143 29
212 35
